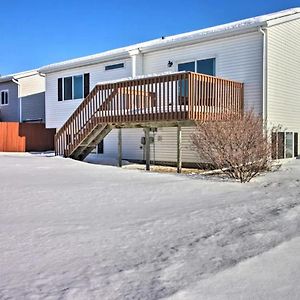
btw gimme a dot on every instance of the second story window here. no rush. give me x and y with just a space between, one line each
4 98
73 87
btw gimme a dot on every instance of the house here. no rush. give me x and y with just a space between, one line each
22 97
22 113
142 101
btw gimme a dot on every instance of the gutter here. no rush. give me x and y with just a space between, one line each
264 73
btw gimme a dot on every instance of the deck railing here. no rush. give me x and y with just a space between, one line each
171 97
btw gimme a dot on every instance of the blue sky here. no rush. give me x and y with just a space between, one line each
36 33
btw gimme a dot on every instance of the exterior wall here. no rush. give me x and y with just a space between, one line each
283 85
238 58
57 112
10 112
30 85
33 107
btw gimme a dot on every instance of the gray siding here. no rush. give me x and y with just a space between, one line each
33 107
10 112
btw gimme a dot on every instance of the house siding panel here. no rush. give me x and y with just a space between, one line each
238 58
57 112
33 107
10 112
283 106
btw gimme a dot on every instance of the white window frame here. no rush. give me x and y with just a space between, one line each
63 87
7 91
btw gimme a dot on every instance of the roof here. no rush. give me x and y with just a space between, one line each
167 42
17 76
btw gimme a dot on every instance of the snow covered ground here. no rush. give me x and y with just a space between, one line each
72 230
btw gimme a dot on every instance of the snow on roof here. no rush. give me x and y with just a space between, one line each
17 76
189 37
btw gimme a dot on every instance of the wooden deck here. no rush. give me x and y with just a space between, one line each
165 100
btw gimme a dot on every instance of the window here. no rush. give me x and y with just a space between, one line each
100 147
4 98
204 66
296 144
284 145
289 149
73 87
68 90
115 66
78 87
189 66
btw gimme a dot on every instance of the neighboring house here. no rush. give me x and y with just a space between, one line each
257 60
22 97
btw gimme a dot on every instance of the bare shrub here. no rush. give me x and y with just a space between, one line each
241 147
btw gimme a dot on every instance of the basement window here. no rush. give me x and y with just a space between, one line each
115 66
4 98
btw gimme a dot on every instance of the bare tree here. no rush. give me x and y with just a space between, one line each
240 147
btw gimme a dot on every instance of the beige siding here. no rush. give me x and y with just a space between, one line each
30 85
283 106
57 112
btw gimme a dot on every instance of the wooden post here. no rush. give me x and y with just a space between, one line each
179 158
147 147
120 147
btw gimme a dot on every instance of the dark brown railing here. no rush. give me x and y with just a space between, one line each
172 97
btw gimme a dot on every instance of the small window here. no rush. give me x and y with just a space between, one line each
115 66
100 147
207 66
4 98
188 67
68 91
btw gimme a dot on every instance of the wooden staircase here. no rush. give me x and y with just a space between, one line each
163 100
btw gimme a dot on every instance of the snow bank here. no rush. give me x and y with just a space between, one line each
72 230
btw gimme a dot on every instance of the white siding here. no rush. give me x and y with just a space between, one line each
57 112
131 144
238 58
283 106
31 85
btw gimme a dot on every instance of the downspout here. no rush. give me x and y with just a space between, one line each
20 100
264 75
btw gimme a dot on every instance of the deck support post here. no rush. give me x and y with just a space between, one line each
147 147
120 147
179 156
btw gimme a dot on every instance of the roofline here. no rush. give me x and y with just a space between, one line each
123 53
16 76
216 32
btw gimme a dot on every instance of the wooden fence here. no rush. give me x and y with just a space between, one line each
21 137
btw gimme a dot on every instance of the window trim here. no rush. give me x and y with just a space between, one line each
7 91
